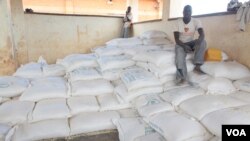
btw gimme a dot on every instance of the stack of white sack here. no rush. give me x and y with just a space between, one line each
111 103
91 87
202 105
161 63
11 86
45 110
121 42
229 116
151 104
178 95
136 82
75 61
31 71
46 88
93 121
83 73
155 37
178 127
131 128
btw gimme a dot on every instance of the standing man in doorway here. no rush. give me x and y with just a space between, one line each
127 26
185 43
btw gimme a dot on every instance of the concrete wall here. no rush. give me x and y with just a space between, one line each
86 7
52 36
57 36
7 62
221 32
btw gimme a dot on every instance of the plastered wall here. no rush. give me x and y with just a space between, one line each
7 62
55 37
221 32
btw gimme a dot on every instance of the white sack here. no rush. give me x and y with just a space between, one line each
83 74
231 70
14 112
131 128
169 70
218 86
243 84
75 61
12 86
31 70
138 78
177 95
237 116
124 96
134 50
42 130
167 78
94 121
128 113
3 99
124 42
3 131
241 95
148 105
50 109
91 87
46 88
82 104
151 34
169 85
176 127
109 102
159 41
54 70
115 62
197 78
112 75
199 106
108 51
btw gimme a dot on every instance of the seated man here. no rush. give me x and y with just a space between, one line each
185 43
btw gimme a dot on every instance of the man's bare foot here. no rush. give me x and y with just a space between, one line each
198 70
179 82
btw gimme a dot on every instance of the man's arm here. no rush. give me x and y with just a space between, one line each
201 35
179 42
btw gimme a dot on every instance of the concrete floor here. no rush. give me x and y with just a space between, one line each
97 136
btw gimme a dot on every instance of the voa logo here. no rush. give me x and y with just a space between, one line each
236 132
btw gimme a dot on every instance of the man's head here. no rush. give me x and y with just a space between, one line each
129 9
187 11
